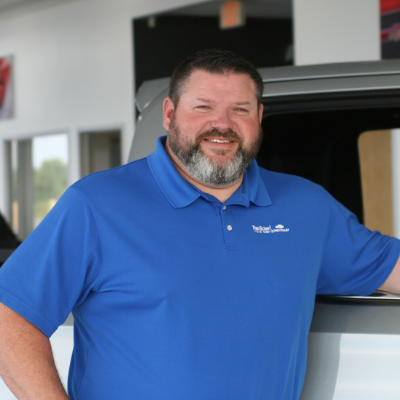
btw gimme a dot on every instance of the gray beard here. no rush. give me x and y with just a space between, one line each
202 168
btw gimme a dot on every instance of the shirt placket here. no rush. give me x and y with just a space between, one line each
228 227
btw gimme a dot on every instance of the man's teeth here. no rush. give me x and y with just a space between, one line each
218 141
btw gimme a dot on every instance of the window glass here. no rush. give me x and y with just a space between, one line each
38 168
50 163
13 179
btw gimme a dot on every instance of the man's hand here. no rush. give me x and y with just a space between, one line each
392 284
26 359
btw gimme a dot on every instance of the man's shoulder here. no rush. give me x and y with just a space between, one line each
134 175
280 178
123 173
287 184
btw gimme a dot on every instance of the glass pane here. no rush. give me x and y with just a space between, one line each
50 176
13 184
20 167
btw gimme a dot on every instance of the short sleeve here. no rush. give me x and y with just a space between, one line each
356 261
55 268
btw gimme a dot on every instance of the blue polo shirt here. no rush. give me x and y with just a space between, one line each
179 297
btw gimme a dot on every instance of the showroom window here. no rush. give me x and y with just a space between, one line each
38 169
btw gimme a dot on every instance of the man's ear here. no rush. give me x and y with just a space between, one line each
168 111
260 112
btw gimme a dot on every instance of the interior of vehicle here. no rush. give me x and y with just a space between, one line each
320 141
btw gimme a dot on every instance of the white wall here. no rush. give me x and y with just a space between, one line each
328 31
73 70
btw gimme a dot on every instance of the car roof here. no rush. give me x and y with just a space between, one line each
331 78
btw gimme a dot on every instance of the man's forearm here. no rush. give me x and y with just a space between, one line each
26 359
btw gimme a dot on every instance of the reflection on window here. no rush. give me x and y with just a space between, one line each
38 179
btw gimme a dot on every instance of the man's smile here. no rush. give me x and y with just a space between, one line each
219 140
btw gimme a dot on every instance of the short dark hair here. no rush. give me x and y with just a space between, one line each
215 61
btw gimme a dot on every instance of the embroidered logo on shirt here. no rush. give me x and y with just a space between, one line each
269 229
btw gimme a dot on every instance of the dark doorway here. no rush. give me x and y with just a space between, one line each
162 41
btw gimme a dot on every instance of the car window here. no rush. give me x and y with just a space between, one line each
322 144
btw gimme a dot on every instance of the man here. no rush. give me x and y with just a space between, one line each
175 290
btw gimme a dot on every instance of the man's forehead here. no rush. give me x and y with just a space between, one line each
194 80
212 74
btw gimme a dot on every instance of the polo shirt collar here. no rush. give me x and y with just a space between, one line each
255 187
180 193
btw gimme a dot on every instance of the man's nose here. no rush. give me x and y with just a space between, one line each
221 120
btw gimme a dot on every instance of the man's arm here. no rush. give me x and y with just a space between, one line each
392 283
26 359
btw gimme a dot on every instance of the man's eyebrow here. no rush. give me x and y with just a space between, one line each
242 103
205 100
237 103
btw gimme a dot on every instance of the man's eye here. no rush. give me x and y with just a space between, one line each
240 109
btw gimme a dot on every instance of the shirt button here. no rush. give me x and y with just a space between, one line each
224 207
229 227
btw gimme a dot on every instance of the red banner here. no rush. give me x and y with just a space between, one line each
390 28
6 101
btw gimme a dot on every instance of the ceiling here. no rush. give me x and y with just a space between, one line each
6 5
14 7
253 8
10 3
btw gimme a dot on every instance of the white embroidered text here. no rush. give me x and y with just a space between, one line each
269 229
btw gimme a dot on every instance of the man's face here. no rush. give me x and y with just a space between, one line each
214 132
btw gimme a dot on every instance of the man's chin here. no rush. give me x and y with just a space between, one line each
213 152
219 157
220 161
